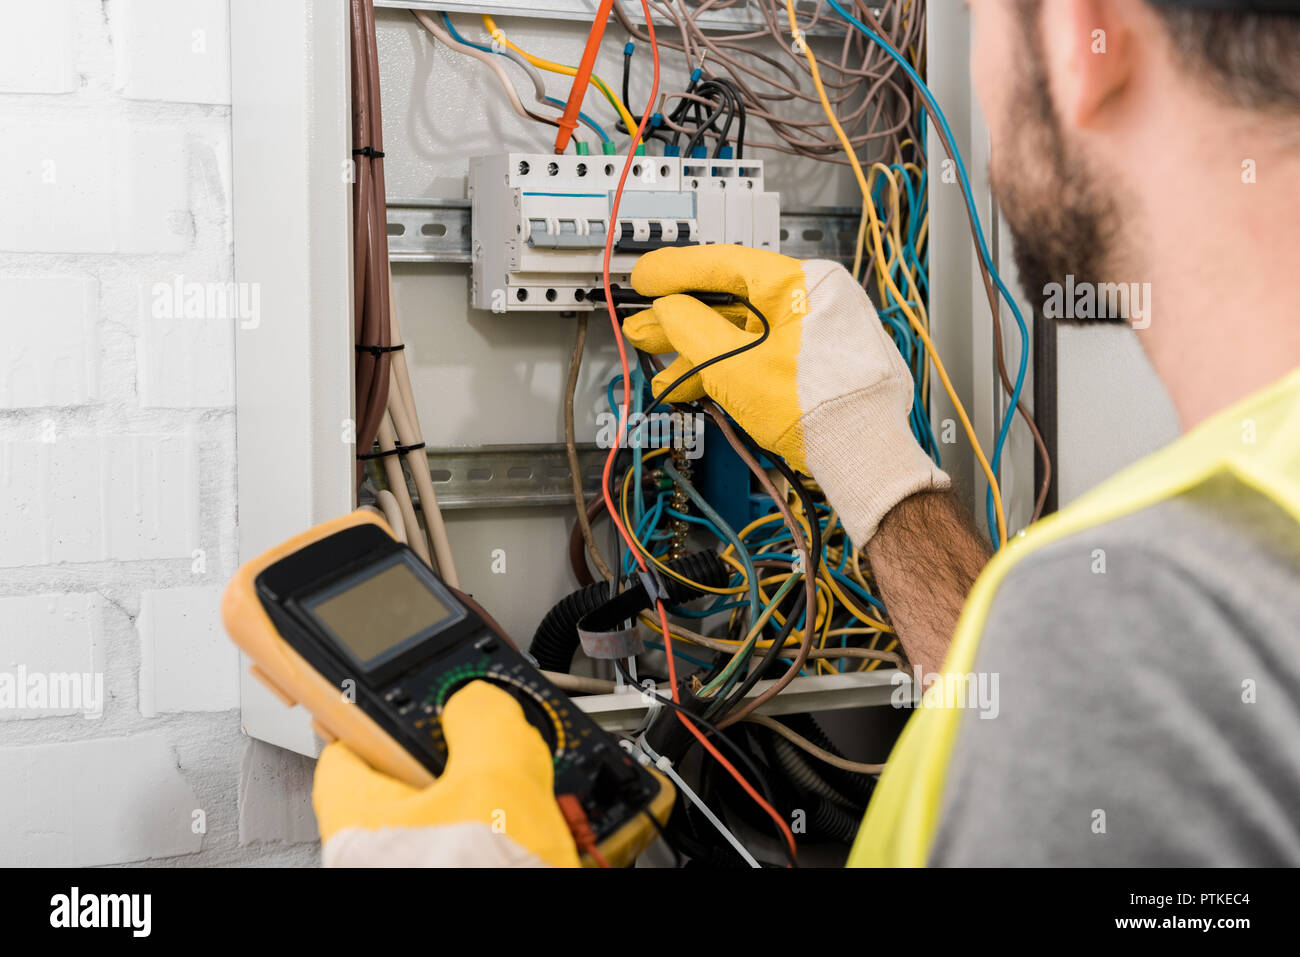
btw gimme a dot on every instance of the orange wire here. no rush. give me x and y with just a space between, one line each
708 745
569 120
622 427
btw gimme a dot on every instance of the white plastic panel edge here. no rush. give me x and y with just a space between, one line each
291 144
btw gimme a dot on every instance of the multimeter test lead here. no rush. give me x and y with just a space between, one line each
630 297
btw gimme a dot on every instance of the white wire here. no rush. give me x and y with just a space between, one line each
487 58
667 768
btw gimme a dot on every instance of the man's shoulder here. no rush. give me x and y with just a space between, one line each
1146 670
1219 545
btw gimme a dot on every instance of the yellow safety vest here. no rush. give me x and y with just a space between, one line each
1256 441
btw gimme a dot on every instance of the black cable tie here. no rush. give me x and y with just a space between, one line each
370 152
395 450
378 351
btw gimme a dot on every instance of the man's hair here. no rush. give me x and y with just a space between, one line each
1250 59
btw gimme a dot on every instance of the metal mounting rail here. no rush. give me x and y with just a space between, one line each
505 476
438 231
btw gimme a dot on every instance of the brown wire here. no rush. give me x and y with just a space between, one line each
571 450
577 547
371 305
794 129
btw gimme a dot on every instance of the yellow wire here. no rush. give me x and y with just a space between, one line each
499 36
839 595
896 246
924 336
836 633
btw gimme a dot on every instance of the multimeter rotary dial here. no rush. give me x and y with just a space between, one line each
544 711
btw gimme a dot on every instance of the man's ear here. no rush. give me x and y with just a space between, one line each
1089 46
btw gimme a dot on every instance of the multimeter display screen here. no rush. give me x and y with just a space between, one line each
379 613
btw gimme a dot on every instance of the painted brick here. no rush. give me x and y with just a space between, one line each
50 358
51 642
38 48
96 188
186 356
187 663
88 803
98 498
275 795
176 50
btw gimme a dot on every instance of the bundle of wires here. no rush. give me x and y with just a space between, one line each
762 625
385 405
372 306
867 90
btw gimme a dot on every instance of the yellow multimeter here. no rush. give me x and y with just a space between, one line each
345 605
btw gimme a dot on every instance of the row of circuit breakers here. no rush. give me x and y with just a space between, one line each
540 221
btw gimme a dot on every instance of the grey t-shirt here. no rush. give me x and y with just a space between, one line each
1148 707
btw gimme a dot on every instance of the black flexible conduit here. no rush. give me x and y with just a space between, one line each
556 638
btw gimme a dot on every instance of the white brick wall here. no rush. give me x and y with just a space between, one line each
45 635
186 661
119 799
117 452
37 47
51 355
173 51
96 187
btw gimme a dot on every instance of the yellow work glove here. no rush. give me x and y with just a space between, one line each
493 806
828 390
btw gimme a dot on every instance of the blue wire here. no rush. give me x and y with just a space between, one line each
844 580
695 520
985 256
651 519
637 397
677 654
549 99
708 612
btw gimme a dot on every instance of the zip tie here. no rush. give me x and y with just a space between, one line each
666 766
654 585
377 351
370 152
395 450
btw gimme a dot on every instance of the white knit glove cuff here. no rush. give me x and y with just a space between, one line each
859 445
864 463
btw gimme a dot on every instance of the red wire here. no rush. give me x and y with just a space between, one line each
622 427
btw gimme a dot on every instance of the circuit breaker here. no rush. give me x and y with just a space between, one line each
540 221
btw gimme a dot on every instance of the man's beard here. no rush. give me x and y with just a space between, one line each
1062 221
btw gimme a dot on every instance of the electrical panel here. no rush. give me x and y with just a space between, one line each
540 221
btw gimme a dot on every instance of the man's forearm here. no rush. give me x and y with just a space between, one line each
925 557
